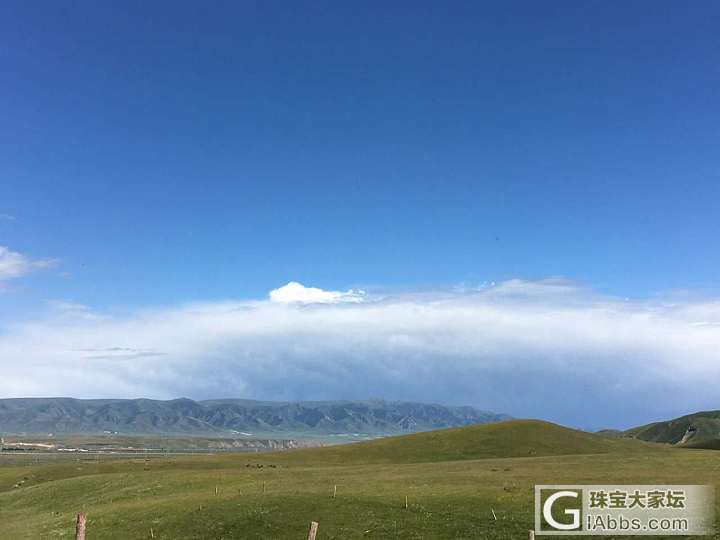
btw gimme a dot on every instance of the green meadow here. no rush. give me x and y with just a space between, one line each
466 483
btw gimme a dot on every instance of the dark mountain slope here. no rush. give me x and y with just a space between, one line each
697 430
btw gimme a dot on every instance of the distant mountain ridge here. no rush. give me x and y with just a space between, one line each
223 416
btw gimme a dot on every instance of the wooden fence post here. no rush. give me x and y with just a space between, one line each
531 535
313 530
80 526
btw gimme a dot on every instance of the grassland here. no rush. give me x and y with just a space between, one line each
453 481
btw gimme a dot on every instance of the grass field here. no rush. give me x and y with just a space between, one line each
453 481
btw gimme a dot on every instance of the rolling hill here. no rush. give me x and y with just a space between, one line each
230 416
697 430
507 439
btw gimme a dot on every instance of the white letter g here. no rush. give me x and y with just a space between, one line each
547 511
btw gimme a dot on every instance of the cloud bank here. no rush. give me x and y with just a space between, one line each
547 349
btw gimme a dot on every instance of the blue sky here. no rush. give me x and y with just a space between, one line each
157 155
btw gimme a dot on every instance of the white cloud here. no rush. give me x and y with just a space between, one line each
14 264
295 292
70 310
545 349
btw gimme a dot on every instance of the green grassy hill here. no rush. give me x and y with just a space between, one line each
697 430
512 438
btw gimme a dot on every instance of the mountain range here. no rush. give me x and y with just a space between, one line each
230 416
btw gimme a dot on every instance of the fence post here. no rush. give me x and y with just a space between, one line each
80 526
313 530
531 535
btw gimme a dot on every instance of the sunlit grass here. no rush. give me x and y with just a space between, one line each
277 495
